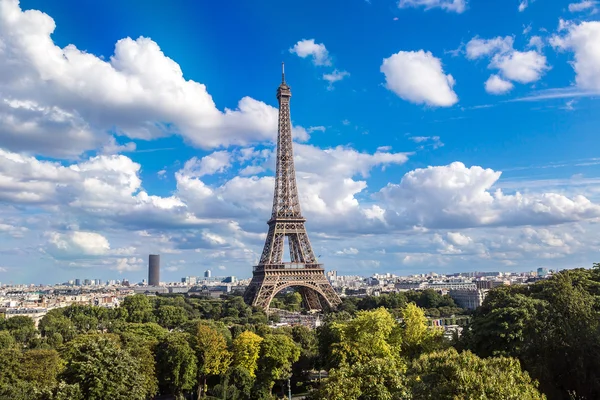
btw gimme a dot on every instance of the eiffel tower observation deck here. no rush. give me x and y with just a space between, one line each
272 274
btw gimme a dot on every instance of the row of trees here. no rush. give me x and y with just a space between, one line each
144 348
552 327
373 348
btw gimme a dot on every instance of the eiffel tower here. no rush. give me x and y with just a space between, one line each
272 274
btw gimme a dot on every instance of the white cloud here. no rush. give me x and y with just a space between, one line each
536 42
582 6
455 196
348 251
127 264
523 67
584 40
517 66
14 231
312 129
523 4
335 76
418 77
497 85
112 147
433 141
458 238
478 47
216 162
457 6
62 101
77 244
308 48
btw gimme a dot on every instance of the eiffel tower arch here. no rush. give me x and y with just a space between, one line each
272 274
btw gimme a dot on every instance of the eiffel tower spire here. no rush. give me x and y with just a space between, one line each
272 274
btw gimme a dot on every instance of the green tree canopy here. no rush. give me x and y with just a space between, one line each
277 354
176 364
451 375
103 369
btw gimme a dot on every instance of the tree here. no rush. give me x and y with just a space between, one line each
415 335
7 340
376 379
451 375
365 337
139 308
142 348
103 369
41 367
53 323
277 354
212 353
10 361
246 350
552 327
170 316
176 364
22 328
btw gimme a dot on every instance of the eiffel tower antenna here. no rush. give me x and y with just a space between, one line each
272 274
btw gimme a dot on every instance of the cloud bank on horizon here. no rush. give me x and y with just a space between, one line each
105 158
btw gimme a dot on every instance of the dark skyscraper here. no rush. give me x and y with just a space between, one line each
154 270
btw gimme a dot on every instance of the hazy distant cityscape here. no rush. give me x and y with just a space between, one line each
467 289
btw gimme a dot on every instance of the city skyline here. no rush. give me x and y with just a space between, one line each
430 135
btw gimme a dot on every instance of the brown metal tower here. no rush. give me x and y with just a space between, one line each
272 275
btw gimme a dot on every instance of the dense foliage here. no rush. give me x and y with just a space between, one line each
552 327
523 341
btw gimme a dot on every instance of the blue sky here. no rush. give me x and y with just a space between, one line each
444 135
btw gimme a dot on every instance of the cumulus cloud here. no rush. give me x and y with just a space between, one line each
216 162
320 57
77 244
497 85
127 264
513 65
457 6
584 40
418 77
478 47
62 101
316 51
455 196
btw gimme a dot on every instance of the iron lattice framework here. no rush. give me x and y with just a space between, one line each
272 274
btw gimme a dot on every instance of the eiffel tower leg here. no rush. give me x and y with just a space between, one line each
310 299
265 292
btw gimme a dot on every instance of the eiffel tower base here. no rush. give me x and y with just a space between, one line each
313 286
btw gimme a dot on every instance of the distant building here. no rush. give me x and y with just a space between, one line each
468 298
542 272
207 273
229 279
77 282
154 270
489 284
